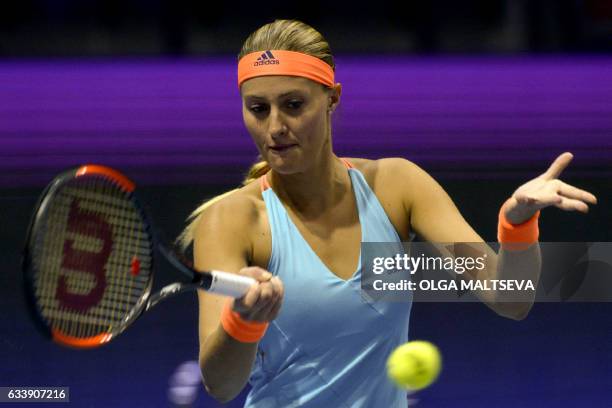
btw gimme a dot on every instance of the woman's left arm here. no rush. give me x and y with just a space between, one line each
436 219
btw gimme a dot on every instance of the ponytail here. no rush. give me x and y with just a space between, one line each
185 239
256 171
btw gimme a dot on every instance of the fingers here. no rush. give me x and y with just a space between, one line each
248 301
270 301
257 273
276 309
528 200
557 167
541 200
267 298
263 300
569 191
547 190
280 289
569 204
555 192
571 198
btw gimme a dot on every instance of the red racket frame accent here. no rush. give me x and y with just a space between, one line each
87 342
113 174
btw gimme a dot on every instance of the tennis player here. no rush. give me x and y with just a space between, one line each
304 336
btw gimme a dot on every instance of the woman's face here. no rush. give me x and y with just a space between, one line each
288 119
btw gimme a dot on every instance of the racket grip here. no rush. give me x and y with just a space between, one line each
230 284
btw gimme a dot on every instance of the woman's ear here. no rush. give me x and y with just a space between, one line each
334 97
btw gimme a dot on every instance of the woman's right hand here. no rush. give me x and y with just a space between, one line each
263 301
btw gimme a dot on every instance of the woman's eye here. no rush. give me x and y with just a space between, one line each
295 104
257 108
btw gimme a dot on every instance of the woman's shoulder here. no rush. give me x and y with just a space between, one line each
388 169
392 181
240 207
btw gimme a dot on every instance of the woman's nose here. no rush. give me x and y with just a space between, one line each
276 124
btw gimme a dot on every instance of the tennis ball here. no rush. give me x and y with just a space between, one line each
414 365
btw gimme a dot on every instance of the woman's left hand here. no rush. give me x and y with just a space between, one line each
547 190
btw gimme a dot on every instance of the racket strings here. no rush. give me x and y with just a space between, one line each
91 232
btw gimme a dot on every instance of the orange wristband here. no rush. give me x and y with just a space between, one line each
240 329
517 236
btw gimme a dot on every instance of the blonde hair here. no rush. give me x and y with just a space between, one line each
288 35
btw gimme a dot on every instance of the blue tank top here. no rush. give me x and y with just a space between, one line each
329 344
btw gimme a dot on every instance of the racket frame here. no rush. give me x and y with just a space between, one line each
198 280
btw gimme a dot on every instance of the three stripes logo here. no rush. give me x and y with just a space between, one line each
266 58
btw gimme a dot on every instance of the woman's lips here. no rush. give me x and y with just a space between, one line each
282 148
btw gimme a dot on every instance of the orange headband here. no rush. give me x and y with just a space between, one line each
280 62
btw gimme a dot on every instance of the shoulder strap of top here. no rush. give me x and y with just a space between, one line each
347 163
264 184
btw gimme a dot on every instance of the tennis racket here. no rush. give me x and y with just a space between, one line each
88 259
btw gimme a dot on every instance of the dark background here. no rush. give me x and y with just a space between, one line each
188 27
482 94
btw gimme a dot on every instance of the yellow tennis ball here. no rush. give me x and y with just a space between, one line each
414 365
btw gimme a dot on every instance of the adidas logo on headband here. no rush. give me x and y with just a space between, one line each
267 58
283 62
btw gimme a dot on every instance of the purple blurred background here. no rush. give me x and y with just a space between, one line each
177 121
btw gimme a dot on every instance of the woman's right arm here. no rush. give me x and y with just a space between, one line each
222 242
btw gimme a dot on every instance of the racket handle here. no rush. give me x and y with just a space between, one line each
230 284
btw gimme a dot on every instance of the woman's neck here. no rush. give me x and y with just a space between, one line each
314 191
